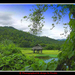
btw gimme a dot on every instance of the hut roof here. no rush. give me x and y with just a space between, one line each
38 46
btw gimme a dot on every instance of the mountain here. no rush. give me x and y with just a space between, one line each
25 39
61 39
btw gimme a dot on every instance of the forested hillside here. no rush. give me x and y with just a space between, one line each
25 39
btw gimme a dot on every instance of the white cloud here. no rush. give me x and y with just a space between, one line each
54 33
6 19
11 20
21 25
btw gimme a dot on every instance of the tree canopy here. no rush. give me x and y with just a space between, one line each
66 57
24 39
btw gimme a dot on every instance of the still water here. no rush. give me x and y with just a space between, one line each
47 59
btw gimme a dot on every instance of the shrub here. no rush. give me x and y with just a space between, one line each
37 66
12 58
13 62
49 47
8 48
6 42
52 47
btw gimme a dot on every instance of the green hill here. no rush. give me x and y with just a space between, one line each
25 39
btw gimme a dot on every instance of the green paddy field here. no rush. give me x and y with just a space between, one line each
45 53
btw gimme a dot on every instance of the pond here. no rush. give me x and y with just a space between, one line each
46 59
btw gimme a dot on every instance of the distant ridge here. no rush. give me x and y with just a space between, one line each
61 39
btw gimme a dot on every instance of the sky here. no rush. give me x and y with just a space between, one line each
11 15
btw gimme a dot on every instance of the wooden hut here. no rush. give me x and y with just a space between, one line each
37 48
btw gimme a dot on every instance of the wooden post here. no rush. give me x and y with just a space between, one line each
41 50
37 51
34 51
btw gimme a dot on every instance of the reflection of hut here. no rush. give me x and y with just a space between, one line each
37 48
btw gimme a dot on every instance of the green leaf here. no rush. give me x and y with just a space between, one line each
25 17
70 15
70 53
30 9
44 67
34 67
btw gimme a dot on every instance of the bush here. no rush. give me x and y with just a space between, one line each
52 47
37 66
43 45
8 48
6 42
49 47
13 62
12 58
40 65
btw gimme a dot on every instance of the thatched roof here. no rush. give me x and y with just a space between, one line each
38 46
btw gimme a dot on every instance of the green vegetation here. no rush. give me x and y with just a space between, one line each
24 39
12 57
53 46
51 53
67 56
15 56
